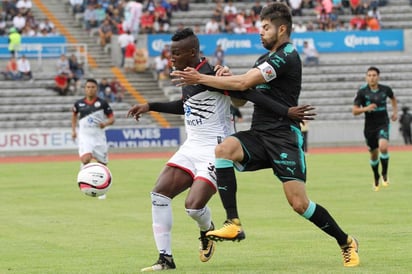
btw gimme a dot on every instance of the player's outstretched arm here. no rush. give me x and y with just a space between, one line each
173 107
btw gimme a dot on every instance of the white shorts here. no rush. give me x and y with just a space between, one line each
96 146
198 161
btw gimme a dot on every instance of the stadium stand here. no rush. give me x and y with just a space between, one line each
330 86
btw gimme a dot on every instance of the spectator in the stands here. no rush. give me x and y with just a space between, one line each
10 9
257 8
63 66
28 31
61 84
372 23
342 26
117 89
105 32
31 20
123 40
47 25
162 23
161 66
19 21
183 5
100 14
296 6
355 6
299 27
24 6
3 24
358 22
11 71
147 21
77 6
129 57
229 7
14 39
212 26
77 71
105 92
374 12
90 18
23 66
219 56
132 15
310 54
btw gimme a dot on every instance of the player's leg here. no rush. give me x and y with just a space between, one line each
373 144
296 195
196 207
384 155
170 183
227 152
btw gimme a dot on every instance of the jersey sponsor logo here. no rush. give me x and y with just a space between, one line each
194 122
268 72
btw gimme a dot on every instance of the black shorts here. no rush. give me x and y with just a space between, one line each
372 136
281 150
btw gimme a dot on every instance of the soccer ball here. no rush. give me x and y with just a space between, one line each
94 179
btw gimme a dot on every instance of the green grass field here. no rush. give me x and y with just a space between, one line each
48 226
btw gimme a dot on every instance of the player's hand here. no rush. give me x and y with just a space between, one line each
222 71
371 107
394 116
136 111
188 76
74 135
300 113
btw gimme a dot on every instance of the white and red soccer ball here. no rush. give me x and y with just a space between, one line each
94 179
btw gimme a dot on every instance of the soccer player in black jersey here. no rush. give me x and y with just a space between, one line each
371 99
273 141
207 121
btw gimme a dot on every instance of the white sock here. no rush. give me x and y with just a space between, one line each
162 222
203 217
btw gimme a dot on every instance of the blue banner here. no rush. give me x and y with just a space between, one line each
325 42
232 44
351 41
52 46
143 137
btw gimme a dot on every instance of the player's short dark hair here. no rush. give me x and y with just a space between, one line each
186 33
91 80
374 69
279 14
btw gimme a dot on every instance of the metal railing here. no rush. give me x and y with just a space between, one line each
40 52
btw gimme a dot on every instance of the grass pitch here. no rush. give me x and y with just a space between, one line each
48 226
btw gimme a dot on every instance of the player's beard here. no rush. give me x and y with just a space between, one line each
270 44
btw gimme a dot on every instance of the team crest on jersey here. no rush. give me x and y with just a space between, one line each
97 104
188 110
267 71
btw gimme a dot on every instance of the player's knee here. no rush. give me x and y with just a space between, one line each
299 206
193 204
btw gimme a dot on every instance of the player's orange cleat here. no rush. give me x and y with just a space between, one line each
350 253
207 246
231 231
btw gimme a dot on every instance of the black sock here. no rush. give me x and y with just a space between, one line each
227 186
322 219
375 169
385 162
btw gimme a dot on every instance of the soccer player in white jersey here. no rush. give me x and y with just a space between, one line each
207 122
95 115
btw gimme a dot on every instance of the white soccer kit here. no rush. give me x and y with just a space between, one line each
207 122
91 138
